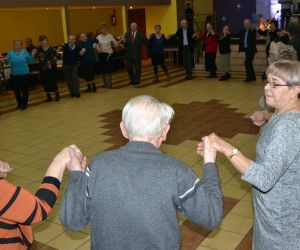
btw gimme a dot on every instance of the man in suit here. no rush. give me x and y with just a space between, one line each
134 40
186 36
248 45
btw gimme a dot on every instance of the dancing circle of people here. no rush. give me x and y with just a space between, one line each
130 196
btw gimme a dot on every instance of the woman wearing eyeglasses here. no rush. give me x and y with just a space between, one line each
275 173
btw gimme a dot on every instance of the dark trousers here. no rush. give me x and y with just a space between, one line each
187 60
21 90
158 60
105 63
210 62
48 78
249 56
72 79
134 69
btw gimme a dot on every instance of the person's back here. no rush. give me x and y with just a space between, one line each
130 197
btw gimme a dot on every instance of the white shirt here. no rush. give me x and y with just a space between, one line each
105 43
185 39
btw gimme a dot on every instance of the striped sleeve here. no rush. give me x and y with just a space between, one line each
20 206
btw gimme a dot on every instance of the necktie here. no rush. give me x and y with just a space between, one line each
133 36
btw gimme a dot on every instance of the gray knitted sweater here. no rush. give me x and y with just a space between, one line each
130 197
275 176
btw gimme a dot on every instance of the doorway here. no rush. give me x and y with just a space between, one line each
139 16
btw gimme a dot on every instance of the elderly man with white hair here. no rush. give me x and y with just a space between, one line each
130 196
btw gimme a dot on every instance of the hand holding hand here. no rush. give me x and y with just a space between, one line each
78 162
34 52
210 152
221 145
195 36
5 168
82 51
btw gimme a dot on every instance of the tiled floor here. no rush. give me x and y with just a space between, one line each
29 140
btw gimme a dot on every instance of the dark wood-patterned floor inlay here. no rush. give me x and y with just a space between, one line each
192 121
246 243
192 235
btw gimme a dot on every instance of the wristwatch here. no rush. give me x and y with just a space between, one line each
235 151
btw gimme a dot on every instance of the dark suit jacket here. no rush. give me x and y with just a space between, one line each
179 35
134 48
251 41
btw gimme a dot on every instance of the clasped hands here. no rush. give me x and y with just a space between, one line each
70 157
5 168
210 145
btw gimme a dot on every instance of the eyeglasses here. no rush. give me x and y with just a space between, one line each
274 85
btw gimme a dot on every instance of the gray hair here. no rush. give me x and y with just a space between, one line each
280 51
146 116
287 71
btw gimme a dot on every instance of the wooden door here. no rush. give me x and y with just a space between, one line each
139 16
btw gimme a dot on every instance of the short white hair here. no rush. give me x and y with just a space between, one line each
145 116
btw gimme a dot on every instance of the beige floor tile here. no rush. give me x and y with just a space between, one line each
233 191
243 208
236 224
248 196
85 246
204 248
73 240
47 231
222 240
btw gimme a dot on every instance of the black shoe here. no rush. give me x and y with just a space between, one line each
156 79
168 77
49 98
135 83
223 78
57 96
23 107
77 96
212 75
94 88
250 80
105 80
109 81
89 88
188 78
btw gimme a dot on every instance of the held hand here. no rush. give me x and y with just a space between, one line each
200 149
210 152
5 168
258 118
63 157
34 52
82 51
59 48
78 162
195 36
221 145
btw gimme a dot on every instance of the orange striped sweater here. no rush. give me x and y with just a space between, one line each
19 209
